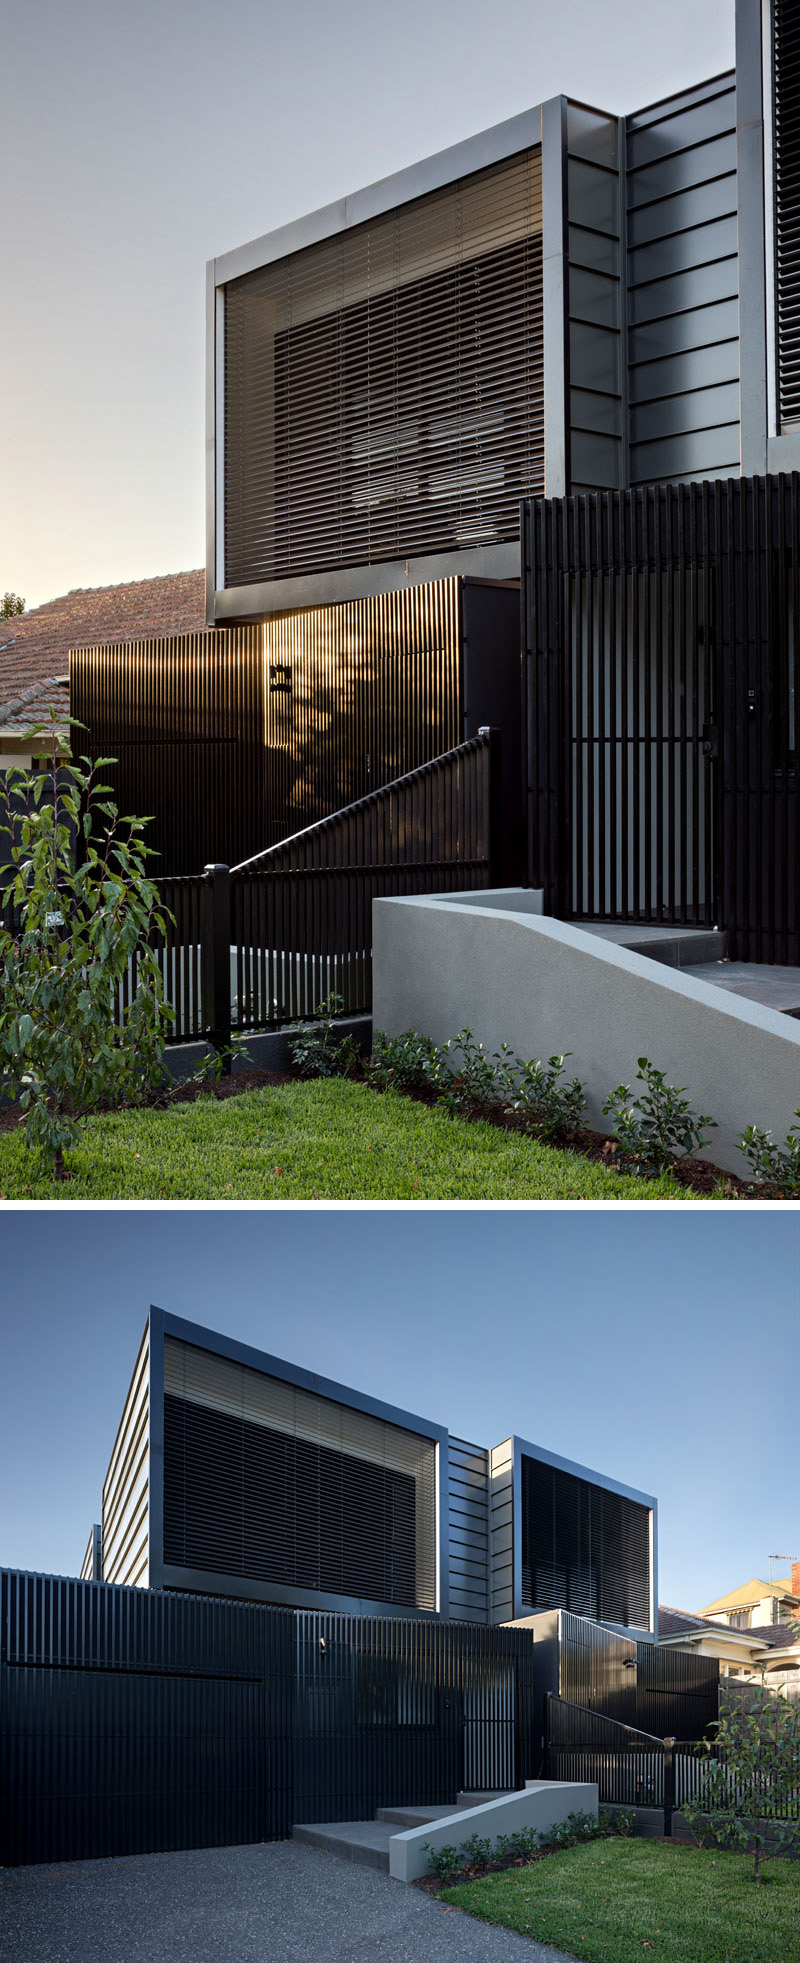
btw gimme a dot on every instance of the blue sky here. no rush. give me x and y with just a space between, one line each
659 1346
141 140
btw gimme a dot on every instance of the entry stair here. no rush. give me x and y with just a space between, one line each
366 1842
702 952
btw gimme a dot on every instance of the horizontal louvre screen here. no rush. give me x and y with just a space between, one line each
787 204
271 1483
583 1548
384 388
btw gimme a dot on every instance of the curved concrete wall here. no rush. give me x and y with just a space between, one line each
545 987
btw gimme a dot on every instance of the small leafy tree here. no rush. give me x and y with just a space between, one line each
77 915
11 604
750 1794
772 1164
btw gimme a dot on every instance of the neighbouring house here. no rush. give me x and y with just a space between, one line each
35 646
746 1653
759 1602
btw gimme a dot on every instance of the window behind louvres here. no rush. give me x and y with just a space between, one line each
583 1548
384 388
270 1482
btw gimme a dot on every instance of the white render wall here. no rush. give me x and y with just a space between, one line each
542 1804
546 987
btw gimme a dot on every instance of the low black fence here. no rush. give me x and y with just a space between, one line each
634 1768
265 942
136 1722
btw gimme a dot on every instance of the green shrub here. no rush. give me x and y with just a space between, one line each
771 1164
549 1107
474 1079
406 1063
657 1127
320 1049
577 1827
83 1020
442 1861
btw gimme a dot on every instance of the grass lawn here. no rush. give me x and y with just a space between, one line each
319 1140
619 1901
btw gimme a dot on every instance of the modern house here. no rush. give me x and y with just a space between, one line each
236 1474
304 1605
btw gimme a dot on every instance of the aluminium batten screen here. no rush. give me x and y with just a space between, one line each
786 107
272 1483
583 1548
384 388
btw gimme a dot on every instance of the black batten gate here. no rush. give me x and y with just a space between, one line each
661 691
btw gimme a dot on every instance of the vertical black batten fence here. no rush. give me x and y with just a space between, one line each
679 604
136 1721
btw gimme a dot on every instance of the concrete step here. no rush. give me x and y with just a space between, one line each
364 1842
481 1798
401 1817
676 947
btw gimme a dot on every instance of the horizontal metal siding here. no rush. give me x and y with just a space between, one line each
468 1531
595 300
135 1723
683 284
786 118
126 1486
501 1531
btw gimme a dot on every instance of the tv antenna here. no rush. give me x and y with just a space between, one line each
791 1558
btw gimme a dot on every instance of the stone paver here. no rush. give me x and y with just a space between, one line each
281 1903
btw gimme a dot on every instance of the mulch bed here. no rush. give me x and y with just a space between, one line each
698 1176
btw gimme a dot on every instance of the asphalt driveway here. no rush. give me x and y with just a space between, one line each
280 1903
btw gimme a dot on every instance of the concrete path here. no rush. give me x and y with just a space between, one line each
280 1903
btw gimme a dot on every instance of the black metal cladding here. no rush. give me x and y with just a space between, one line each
661 711
239 738
272 1483
137 1722
677 1694
583 1548
384 388
134 1723
786 108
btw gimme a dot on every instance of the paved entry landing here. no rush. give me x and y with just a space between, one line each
366 1842
703 951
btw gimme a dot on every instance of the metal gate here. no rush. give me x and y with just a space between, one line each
661 684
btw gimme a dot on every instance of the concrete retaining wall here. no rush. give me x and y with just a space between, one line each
544 987
542 1804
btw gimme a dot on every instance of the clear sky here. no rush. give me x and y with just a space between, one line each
142 137
660 1347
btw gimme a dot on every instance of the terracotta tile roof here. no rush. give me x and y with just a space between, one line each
34 647
779 1635
678 1622
673 1622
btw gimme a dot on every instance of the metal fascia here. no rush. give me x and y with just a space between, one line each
155 1483
430 174
290 1373
491 562
554 297
211 442
526 1449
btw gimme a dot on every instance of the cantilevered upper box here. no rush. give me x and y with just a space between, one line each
236 1474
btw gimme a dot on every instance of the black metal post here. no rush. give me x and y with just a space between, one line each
669 1785
217 961
495 810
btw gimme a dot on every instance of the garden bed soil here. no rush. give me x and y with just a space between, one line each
699 1176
